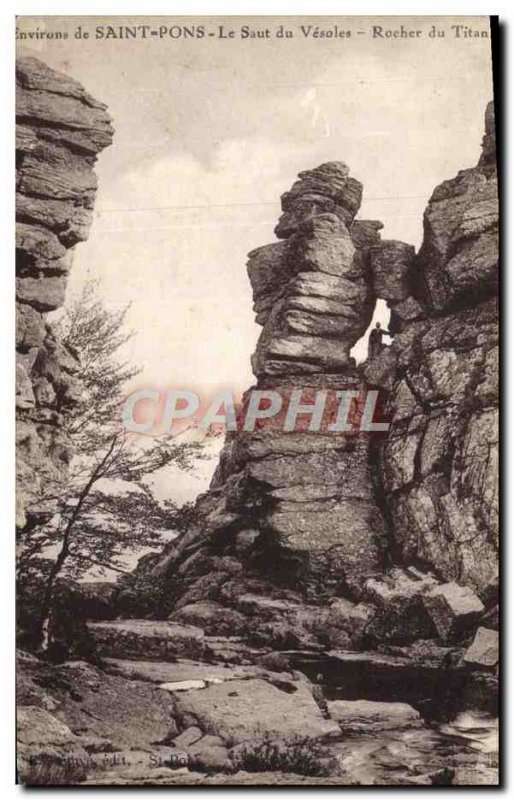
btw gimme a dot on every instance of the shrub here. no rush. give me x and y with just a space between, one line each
300 755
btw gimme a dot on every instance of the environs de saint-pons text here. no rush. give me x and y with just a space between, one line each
247 32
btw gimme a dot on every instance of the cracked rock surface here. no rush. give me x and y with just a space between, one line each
59 131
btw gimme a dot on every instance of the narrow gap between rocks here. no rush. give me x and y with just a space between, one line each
381 314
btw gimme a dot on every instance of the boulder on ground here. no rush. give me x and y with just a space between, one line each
453 609
400 616
484 650
188 737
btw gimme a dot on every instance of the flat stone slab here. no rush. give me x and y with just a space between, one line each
242 711
367 715
186 675
148 627
147 639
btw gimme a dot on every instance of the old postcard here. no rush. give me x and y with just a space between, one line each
257 401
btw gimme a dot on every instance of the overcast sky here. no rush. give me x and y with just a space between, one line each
209 133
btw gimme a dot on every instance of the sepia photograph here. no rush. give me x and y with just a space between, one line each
257 312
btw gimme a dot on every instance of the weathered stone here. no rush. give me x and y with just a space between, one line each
129 713
366 232
409 309
440 457
381 371
459 255
484 650
328 188
489 141
491 618
183 686
39 247
368 716
210 755
400 614
327 353
268 269
250 710
391 264
30 328
453 609
69 221
329 287
72 116
319 515
165 672
213 618
188 737
43 739
44 293
137 638
24 392
60 129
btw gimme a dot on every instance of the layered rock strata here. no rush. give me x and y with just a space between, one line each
60 129
298 507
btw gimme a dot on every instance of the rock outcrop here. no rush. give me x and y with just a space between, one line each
298 507
323 606
440 460
354 539
323 513
59 131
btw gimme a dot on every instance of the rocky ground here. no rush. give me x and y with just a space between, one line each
169 703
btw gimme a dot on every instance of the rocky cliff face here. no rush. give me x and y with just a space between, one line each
440 461
59 131
403 525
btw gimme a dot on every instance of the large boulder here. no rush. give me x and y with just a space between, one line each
454 609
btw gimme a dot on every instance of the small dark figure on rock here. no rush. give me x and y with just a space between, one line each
375 344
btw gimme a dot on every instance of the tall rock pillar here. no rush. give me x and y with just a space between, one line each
59 131
297 508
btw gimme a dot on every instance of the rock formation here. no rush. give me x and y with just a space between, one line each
326 574
299 507
440 461
402 527
59 131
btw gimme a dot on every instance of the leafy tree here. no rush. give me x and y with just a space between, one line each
106 508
